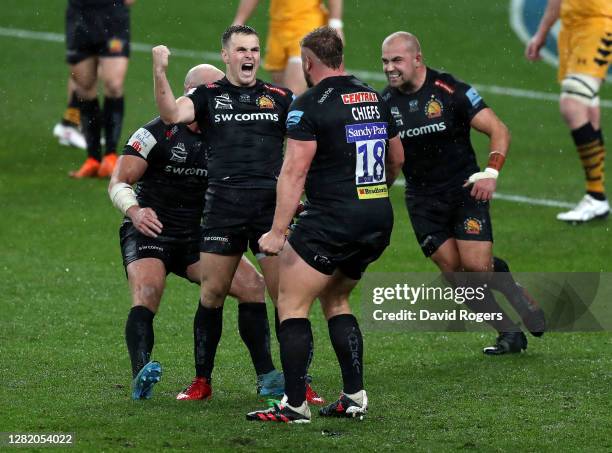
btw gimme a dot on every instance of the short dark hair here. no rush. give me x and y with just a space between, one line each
240 29
326 44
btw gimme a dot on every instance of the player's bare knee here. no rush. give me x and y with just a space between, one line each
213 294
113 88
476 265
147 294
334 306
252 289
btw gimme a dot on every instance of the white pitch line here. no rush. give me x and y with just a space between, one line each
518 198
368 75
363 74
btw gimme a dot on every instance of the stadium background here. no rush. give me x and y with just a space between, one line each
64 298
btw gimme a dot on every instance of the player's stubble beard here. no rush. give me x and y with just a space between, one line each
309 83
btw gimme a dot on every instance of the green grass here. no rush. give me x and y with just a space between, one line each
64 298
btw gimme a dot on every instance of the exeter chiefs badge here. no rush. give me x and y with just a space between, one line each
433 108
115 45
265 102
472 225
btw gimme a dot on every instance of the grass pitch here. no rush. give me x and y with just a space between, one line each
64 300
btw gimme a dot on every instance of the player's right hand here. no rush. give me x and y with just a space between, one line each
145 220
271 243
532 51
160 57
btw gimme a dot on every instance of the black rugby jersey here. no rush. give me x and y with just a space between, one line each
434 125
245 130
351 124
175 181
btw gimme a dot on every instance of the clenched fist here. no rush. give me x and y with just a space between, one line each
160 58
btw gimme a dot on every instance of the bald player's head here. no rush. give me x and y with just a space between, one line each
202 74
407 39
402 61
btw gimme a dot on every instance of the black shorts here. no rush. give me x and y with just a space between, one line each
327 241
235 219
176 255
453 214
100 32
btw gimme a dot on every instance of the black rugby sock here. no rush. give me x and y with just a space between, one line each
490 306
276 324
295 345
255 333
503 282
139 336
348 343
207 327
113 120
90 122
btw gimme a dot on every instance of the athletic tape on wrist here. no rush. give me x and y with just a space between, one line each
123 197
335 23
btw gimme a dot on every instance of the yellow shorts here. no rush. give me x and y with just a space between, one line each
283 41
585 47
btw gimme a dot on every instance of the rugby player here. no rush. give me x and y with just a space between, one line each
585 49
161 233
243 122
98 42
343 148
290 20
447 196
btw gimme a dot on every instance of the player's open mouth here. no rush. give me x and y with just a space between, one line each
392 76
247 68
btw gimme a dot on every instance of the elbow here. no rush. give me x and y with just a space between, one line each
168 118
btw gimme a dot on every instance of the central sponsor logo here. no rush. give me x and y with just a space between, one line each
368 131
239 117
186 171
179 153
423 130
359 98
369 192
413 105
223 102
